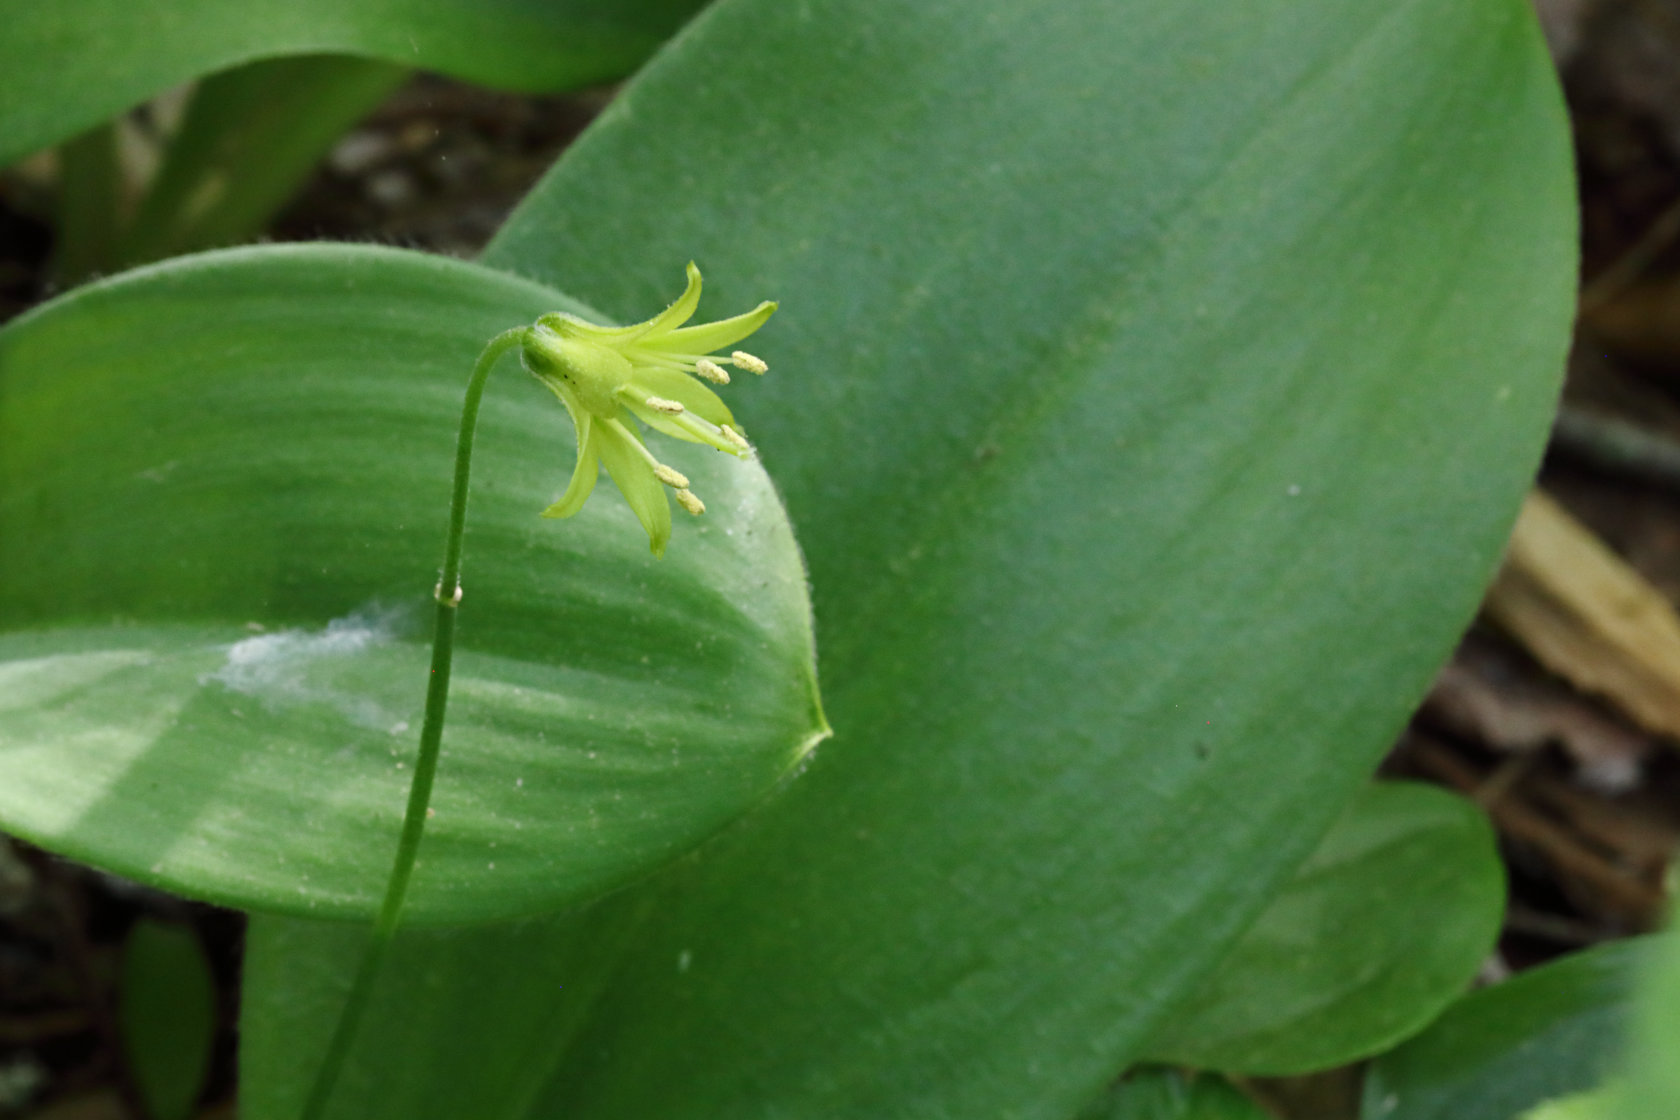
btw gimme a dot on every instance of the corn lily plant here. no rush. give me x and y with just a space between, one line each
1155 388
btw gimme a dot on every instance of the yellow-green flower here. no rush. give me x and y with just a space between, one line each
610 377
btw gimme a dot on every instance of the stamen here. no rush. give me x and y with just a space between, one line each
687 500
660 404
746 361
647 456
676 480
734 437
711 371
655 360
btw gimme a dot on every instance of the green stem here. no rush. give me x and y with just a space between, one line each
431 738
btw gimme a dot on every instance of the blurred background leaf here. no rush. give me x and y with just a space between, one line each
73 64
168 1014
282 82
1549 1032
1650 1085
246 141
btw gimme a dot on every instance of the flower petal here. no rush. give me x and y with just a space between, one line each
706 338
631 471
673 316
567 325
570 326
583 475
678 386
574 407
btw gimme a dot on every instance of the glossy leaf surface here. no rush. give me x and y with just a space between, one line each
1551 1032
1378 931
73 63
223 488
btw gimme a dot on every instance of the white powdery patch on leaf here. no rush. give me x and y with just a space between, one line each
293 667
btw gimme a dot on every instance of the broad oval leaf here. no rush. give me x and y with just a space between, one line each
1551 1032
223 489
1343 964
73 63
1163 383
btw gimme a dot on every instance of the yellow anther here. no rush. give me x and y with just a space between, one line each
734 437
746 361
687 500
711 371
676 480
670 408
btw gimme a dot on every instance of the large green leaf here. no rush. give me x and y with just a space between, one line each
1153 389
1340 965
473 1019
1550 1032
223 488
1334 969
72 63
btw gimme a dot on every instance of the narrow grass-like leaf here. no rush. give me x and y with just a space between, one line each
249 137
89 204
223 489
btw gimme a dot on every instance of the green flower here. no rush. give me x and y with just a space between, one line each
610 377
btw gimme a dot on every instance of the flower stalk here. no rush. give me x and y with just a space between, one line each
607 377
